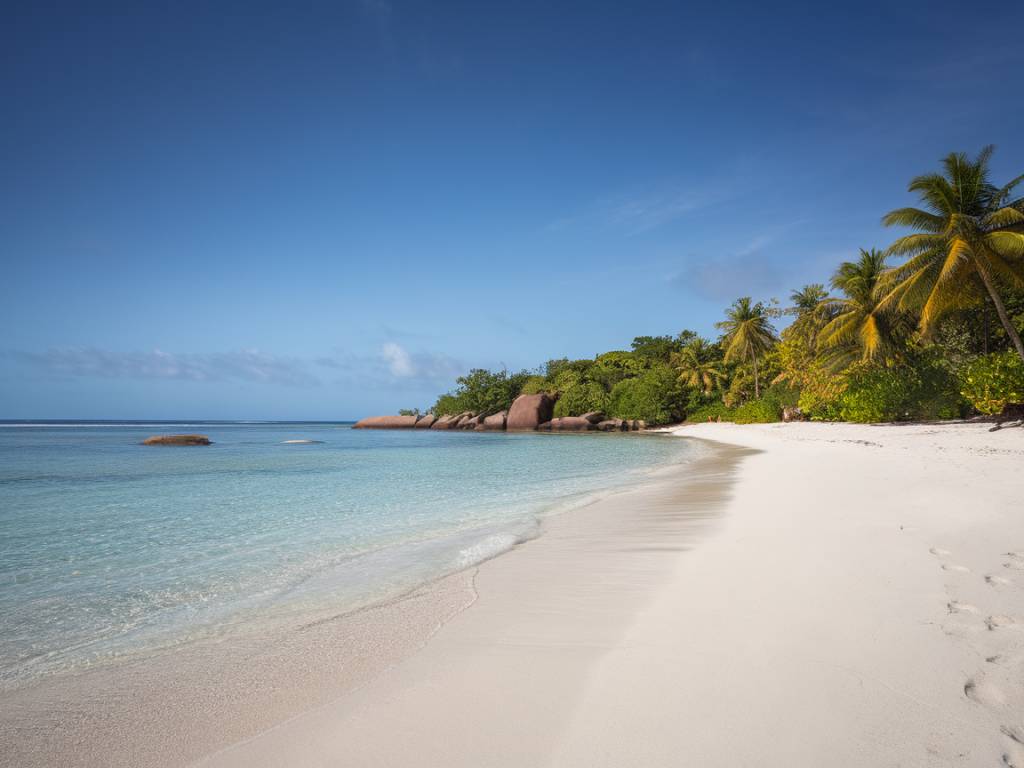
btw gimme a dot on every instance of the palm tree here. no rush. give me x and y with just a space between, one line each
969 239
747 334
860 327
698 367
807 300
811 311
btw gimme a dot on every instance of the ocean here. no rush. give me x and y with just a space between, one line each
110 550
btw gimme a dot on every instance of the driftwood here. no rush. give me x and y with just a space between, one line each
1010 412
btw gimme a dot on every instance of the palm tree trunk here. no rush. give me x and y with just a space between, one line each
1004 317
757 386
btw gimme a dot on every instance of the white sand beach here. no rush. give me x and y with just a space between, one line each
855 599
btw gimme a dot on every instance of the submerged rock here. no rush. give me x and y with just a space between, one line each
530 411
177 440
386 422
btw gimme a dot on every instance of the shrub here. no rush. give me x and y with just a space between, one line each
762 411
992 381
655 396
923 388
713 411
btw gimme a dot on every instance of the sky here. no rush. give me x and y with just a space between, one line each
327 210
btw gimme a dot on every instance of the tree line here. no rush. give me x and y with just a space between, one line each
928 328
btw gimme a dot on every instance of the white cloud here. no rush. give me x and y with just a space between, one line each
398 360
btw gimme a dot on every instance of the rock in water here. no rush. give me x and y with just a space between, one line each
177 440
594 417
530 411
386 422
426 422
612 425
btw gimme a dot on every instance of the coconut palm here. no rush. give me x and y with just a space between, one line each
807 300
811 311
969 241
860 327
698 367
747 334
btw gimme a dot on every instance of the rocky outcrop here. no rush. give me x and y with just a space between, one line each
567 424
177 440
494 422
793 413
386 422
529 412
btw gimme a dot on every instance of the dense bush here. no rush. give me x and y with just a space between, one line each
992 381
577 395
920 389
656 396
481 391
763 411
713 411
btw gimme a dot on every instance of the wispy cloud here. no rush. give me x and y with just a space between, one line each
92 362
395 363
748 269
656 205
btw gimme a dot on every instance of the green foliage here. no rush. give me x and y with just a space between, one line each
409 412
713 411
534 385
656 396
992 381
659 349
578 395
924 388
481 391
762 411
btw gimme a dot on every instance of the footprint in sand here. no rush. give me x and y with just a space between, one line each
981 691
955 568
956 606
998 621
940 552
1016 562
997 581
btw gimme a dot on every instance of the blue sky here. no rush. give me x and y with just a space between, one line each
249 210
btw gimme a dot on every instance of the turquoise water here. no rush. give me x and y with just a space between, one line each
109 549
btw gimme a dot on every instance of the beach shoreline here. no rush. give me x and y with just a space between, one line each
804 594
178 704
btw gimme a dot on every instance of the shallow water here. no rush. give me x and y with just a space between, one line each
110 549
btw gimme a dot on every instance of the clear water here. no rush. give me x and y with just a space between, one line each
109 548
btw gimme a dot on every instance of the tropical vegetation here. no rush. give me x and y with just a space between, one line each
927 328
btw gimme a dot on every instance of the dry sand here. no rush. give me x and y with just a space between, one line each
859 603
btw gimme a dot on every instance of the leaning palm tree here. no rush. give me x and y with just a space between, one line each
698 367
860 327
747 334
970 241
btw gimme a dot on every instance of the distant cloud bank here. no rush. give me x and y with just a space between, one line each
393 364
